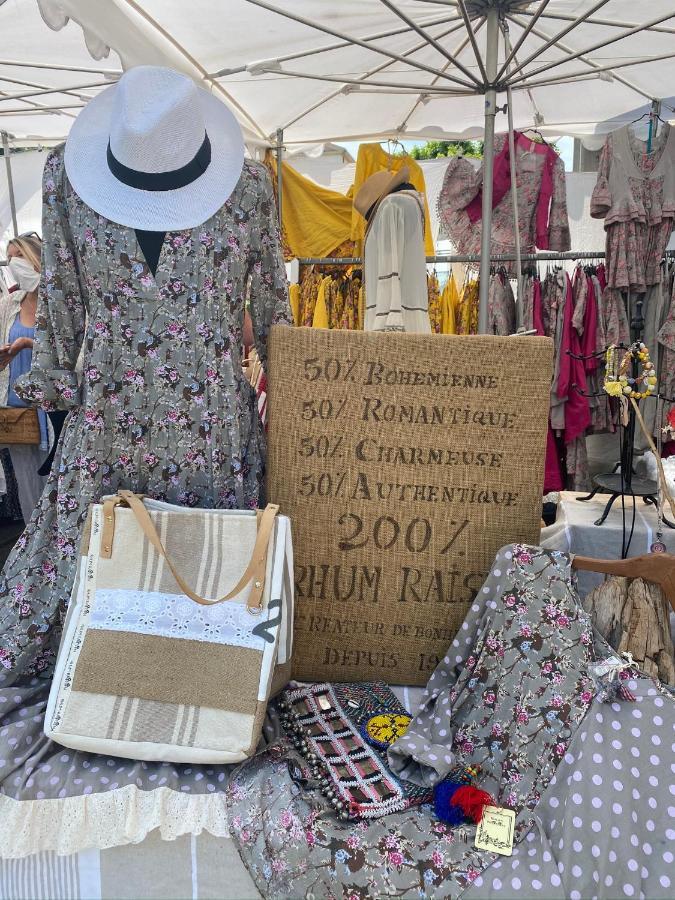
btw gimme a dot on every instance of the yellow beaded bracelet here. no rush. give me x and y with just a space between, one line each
625 384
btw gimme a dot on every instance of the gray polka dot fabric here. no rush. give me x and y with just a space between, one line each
34 768
605 828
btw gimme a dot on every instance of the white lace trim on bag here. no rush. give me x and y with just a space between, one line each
111 819
174 616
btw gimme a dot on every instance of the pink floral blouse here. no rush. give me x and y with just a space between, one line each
539 177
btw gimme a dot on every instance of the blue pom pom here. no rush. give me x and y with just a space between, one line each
443 794
455 816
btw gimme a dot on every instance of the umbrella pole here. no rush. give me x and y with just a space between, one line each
491 62
514 190
280 153
10 181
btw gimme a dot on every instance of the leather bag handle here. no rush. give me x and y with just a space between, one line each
255 571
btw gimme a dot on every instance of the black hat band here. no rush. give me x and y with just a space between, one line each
162 181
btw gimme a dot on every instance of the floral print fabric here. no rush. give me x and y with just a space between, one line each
635 195
501 306
604 827
462 184
163 407
293 846
666 339
511 705
509 696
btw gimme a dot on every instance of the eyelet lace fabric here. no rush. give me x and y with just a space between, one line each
124 816
174 616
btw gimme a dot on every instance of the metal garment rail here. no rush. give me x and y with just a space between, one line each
10 180
569 256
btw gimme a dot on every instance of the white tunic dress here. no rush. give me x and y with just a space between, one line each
395 267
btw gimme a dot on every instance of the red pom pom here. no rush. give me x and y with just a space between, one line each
471 801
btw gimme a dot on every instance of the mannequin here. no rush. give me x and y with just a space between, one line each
394 257
161 406
150 243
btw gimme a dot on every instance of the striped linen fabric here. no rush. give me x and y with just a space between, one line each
203 867
44 875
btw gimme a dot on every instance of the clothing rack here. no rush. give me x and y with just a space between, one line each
570 255
618 485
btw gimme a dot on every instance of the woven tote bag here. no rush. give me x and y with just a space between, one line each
148 667
19 425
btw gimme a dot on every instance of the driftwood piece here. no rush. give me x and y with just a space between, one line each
634 615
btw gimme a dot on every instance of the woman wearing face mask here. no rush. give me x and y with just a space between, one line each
17 328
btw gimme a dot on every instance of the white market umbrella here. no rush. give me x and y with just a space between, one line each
352 70
311 71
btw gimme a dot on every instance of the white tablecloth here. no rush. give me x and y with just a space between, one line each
574 531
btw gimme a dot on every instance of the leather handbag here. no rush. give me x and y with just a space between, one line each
19 425
149 668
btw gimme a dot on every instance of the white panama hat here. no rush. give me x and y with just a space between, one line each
155 152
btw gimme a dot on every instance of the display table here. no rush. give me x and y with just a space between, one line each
574 531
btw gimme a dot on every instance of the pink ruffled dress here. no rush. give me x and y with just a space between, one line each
635 195
542 201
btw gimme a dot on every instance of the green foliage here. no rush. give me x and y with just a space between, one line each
436 149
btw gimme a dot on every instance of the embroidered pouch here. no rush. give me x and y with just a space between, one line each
328 723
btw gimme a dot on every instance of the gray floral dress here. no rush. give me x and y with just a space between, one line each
161 406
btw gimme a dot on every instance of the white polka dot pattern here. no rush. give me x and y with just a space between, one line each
613 839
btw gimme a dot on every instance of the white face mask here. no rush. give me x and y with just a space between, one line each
23 273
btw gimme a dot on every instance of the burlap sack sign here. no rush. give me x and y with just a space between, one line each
404 463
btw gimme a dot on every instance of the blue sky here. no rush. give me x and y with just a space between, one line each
565 145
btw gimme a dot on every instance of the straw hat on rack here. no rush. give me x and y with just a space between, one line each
374 189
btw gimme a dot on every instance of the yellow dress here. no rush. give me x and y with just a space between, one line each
449 304
467 311
310 282
337 303
321 319
315 219
435 307
373 158
294 298
343 311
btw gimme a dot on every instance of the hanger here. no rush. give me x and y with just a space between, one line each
652 115
539 135
648 115
656 567
392 144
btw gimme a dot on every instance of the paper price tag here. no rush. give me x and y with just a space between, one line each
495 830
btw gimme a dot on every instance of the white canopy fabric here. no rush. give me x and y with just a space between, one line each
27 180
348 69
